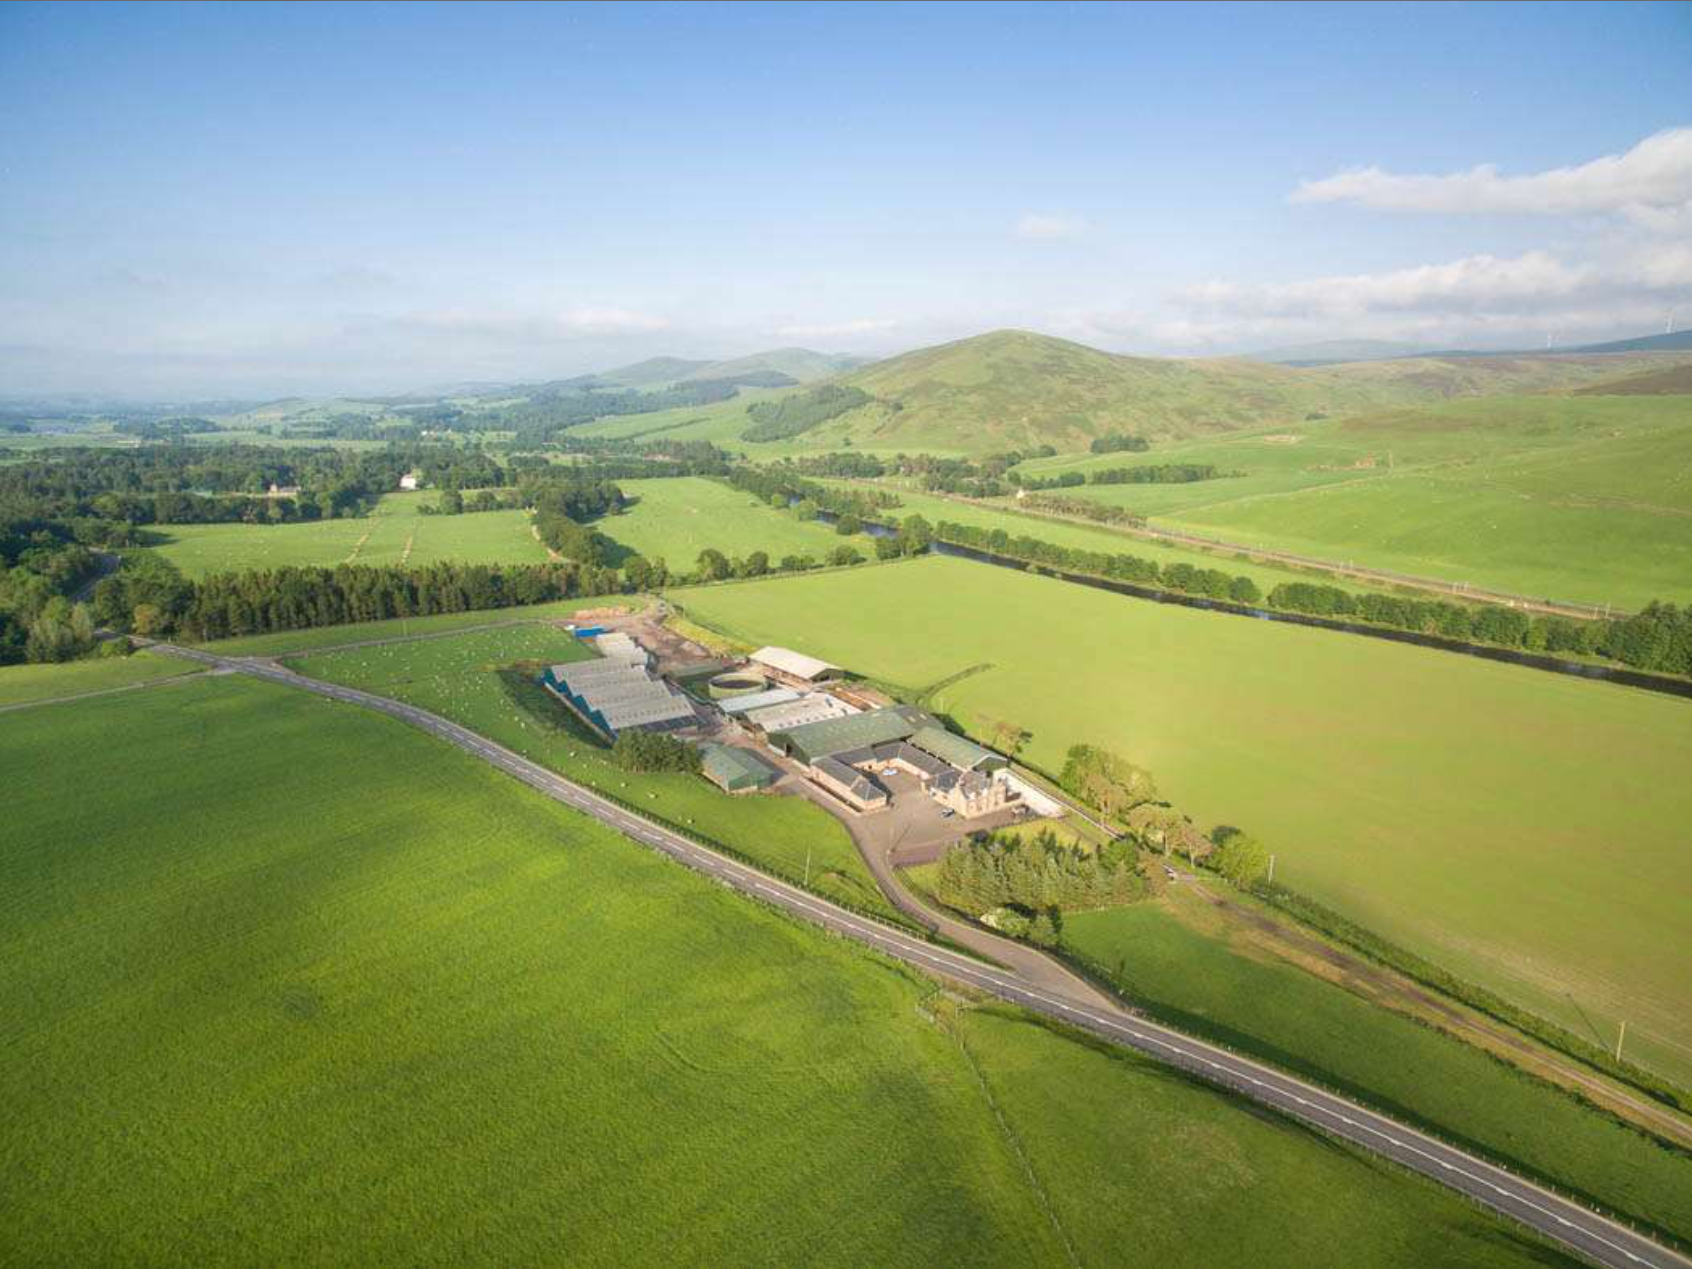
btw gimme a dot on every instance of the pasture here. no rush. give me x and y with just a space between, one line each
1522 829
676 519
1583 498
22 684
394 533
459 677
1088 537
1175 958
425 1015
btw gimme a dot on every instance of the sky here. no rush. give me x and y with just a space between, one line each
252 200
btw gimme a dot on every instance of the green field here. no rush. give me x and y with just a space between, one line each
425 1015
676 519
1161 956
394 533
457 676
1583 498
20 684
1522 829
1084 537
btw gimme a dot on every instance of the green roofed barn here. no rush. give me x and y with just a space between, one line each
736 770
963 754
855 731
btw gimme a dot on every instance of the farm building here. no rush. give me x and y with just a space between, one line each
616 695
848 784
794 666
845 755
408 481
736 770
809 741
811 707
757 700
956 751
972 793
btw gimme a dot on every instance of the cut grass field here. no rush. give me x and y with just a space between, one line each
1582 498
426 1015
459 677
1521 829
22 684
676 519
395 532
1175 958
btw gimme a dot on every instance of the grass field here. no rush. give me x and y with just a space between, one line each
1585 498
678 518
1173 957
394 533
425 1015
1085 537
458 676
1520 828
20 684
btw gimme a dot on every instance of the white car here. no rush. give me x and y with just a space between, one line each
887 773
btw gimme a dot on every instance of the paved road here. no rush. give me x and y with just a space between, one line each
1568 1223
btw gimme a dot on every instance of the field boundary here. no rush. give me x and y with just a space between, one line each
1268 555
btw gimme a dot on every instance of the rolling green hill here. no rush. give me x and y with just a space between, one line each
797 363
1017 390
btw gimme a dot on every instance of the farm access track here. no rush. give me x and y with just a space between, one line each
1586 1232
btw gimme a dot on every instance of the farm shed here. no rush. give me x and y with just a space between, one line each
813 707
795 665
954 750
851 786
855 731
736 770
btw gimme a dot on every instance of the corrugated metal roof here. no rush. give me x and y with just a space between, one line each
873 727
726 762
814 708
641 713
966 755
860 785
795 663
758 700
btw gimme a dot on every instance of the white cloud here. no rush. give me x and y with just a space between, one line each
1049 226
840 330
1655 174
1475 283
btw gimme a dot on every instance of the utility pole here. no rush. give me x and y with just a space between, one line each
1271 870
807 865
1620 1036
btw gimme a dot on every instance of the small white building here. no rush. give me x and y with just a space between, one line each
409 480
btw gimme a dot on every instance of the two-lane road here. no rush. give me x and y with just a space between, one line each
1598 1238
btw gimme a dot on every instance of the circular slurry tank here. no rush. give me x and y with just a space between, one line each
737 683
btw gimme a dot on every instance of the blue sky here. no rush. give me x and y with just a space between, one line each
253 200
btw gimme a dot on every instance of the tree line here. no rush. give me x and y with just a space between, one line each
152 598
1149 474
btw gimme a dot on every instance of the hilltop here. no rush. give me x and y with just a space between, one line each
802 365
1018 390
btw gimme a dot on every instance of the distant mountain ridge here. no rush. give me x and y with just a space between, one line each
1329 352
778 367
1018 390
